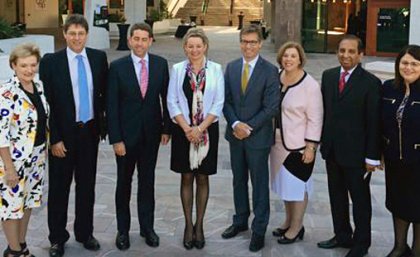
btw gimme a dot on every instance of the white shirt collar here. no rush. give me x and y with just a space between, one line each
252 62
349 71
137 59
71 54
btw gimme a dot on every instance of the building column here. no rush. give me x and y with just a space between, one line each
287 23
414 37
98 36
135 11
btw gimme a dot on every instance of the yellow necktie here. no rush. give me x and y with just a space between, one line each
245 75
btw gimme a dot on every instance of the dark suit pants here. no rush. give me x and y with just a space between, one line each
254 161
143 155
341 182
80 160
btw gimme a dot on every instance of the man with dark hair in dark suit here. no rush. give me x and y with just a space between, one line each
350 145
251 101
138 121
75 80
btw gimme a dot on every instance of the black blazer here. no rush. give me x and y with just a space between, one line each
351 119
257 106
129 115
55 73
410 125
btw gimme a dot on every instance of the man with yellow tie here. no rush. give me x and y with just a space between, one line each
251 101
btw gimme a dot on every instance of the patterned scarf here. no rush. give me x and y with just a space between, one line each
197 82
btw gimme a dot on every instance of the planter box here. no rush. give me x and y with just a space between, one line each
166 26
44 42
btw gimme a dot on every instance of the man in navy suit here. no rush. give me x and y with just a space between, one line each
251 101
138 121
350 145
74 80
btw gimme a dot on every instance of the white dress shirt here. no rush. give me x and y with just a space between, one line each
137 65
73 62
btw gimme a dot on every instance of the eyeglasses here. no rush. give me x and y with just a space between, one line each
412 64
75 34
250 42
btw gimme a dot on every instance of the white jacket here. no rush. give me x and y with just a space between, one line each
214 92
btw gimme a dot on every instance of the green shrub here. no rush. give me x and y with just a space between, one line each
9 31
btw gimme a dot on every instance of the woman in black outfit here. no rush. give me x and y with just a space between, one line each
195 102
401 134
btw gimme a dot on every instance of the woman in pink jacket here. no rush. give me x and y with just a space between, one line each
298 133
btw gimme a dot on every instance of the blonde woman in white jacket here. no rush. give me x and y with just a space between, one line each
195 103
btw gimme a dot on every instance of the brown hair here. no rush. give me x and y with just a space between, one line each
141 26
22 51
413 50
196 32
253 28
297 46
76 19
360 47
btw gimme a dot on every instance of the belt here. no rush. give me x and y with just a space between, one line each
81 124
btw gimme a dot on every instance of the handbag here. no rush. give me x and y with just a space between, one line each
297 167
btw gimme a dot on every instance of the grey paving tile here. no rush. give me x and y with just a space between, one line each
169 223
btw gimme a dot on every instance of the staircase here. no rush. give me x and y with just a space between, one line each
218 12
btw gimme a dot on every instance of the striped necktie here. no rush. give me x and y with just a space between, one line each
144 78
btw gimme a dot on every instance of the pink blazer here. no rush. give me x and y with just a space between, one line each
301 114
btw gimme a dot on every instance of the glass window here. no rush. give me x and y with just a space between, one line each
392 29
313 25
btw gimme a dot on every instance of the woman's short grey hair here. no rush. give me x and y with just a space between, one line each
22 51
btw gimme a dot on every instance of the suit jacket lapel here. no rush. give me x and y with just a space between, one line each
237 69
351 81
132 76
94 68
153 70
254 76
65 72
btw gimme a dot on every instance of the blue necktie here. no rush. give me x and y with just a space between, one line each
83 90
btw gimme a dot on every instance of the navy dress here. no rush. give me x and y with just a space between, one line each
402 151
180 146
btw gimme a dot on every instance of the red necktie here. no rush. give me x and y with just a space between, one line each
144 78
342 82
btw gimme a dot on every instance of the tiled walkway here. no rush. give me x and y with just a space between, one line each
169 223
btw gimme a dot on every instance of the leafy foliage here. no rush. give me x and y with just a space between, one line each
9 31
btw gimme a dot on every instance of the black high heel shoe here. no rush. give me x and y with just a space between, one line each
9 251
25 250
407 252
284 240
199 244
190 243
278 232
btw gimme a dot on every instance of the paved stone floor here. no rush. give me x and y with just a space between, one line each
169 223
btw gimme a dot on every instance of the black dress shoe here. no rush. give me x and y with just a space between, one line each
233 231
152 239
357 251
122 241
333 243
91 244
257 243
406 253
284 240
278 232
56 250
